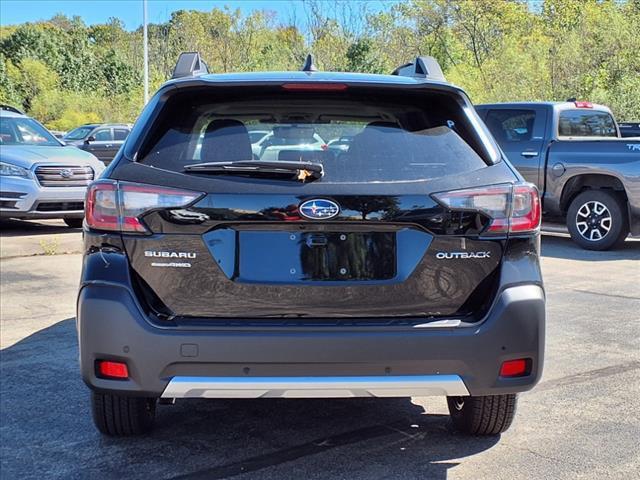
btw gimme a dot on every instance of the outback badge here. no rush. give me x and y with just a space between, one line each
319 209
450 255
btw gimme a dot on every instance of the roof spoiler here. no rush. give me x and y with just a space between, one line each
189 65
421 67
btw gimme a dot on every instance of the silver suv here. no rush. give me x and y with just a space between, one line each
39 176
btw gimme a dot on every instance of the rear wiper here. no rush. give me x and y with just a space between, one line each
302 171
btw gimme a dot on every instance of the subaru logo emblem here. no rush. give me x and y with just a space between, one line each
319 209
66 173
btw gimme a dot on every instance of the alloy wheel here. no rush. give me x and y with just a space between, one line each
593 220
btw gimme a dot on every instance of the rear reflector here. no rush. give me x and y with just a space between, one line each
118 206
315 87
113 369
583 104
515 368
511 208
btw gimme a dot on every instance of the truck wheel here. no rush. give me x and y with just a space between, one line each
73 222
488 415
120 416
596 220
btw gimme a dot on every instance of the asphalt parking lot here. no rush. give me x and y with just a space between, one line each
582 421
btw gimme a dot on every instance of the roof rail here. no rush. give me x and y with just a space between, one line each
421 67
9 108
189 65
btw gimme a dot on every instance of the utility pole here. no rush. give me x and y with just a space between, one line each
145 49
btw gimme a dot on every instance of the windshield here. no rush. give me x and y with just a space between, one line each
24 131
78 133
356 140
580 123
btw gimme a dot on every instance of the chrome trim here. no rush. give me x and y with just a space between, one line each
448 323
315 387
529 154
64 175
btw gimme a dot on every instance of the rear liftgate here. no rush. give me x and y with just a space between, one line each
243 258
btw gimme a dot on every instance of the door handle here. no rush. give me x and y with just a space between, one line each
529 154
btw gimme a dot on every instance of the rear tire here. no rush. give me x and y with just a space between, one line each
490 415
597 220
120 416
73 222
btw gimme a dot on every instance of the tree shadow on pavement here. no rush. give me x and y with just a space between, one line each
563 247
46 430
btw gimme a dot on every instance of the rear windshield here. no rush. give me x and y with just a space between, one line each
581 123
357 138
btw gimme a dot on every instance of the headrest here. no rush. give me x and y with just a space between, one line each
226 140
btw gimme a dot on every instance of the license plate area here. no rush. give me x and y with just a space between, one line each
320 256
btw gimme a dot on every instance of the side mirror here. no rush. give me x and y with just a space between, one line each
90 139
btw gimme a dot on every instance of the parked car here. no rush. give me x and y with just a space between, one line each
629 129
572 151
9 108
407 266
39 176
287 142
101 139
340 144
59 134
256 135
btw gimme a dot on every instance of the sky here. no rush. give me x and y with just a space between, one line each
130 11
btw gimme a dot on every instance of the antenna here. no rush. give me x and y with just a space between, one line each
309 65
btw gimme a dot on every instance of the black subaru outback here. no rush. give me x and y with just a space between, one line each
405 264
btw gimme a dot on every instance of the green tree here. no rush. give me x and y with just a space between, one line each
9 93
31 79
362 57
64 71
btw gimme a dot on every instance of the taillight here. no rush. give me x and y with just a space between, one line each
583 104
315 87
101 207
525 209
119 206
511 208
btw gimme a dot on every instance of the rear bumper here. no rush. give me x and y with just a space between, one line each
270 362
